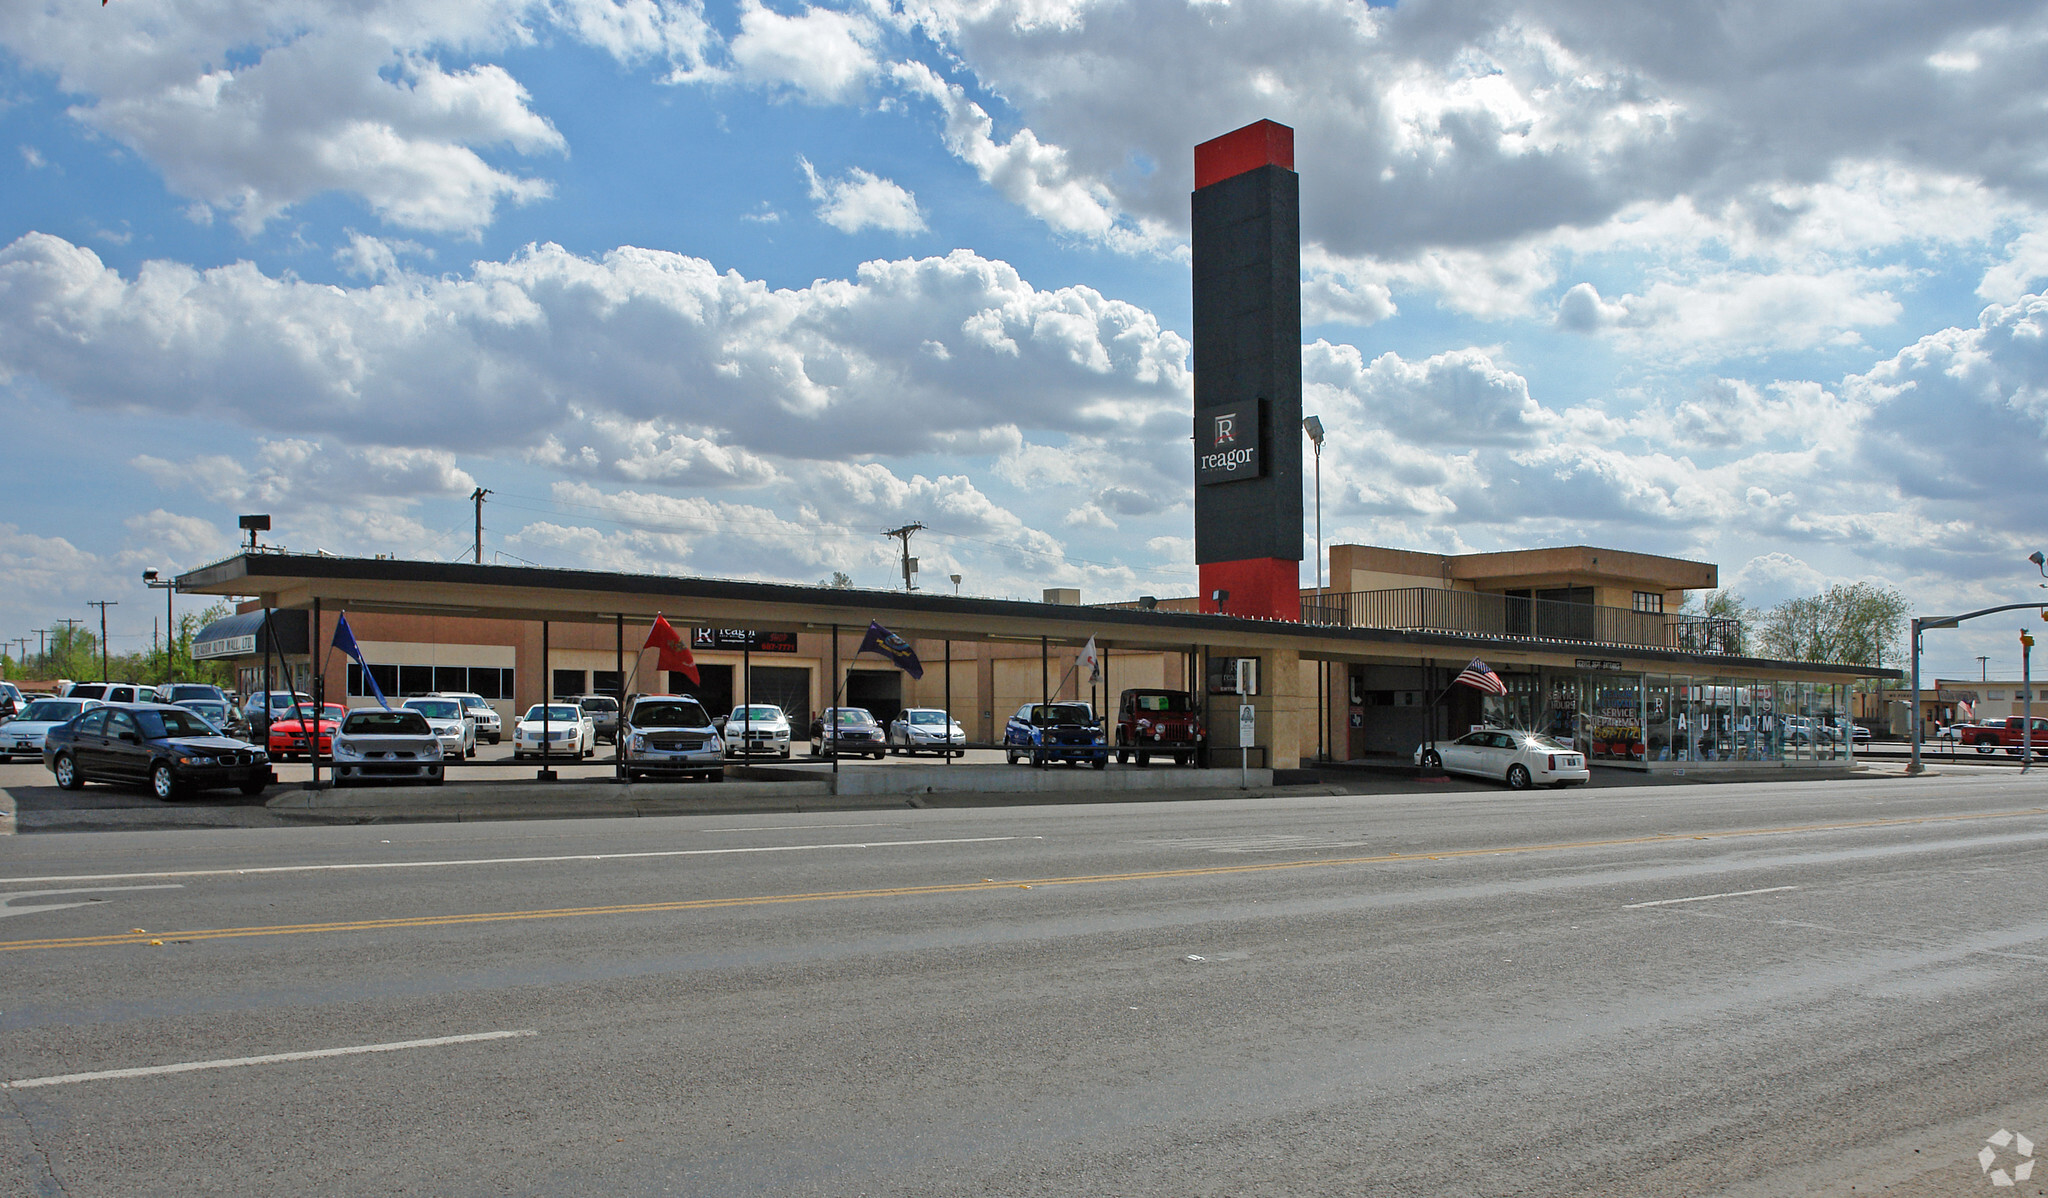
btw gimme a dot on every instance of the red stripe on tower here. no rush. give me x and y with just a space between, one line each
1262 143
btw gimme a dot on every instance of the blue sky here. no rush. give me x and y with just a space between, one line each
727 288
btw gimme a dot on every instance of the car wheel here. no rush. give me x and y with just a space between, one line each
66 769
785 752
1009 756
255 786
162 782
470 752
1144 760
1432 760
1102 762
1984 746
1518 777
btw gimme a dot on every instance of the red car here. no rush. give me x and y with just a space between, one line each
288 735
1157 724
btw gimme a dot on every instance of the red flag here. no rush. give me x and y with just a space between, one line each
675 651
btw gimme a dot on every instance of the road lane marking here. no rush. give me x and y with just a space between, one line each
1701 898
8 908
353 865
69 1079
947 888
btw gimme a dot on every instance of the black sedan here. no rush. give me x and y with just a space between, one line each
170 749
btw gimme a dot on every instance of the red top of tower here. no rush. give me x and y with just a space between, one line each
1263 143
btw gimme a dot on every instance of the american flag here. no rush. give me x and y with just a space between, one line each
1478 677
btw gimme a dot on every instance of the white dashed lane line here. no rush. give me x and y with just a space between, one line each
276 1058
1701 898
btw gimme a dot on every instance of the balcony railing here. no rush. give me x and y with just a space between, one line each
1428 609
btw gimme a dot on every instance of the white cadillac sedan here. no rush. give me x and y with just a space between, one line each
566 731
1521 759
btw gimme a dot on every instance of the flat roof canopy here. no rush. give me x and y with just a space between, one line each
591 596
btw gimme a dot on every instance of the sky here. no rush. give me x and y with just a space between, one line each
727 289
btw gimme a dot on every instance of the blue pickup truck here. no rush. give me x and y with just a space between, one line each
1044 732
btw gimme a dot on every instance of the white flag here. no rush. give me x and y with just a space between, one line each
1089 661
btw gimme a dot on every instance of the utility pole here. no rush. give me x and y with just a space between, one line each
1983 669
103 605
42 648
477 497
909 562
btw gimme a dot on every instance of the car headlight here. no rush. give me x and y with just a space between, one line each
639 743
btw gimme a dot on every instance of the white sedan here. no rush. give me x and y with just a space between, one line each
1521 759
926 730
23 735
457 732
554 730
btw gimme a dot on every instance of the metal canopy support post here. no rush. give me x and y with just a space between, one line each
547 740
1914 766
835 700
319 695
619 659
948 729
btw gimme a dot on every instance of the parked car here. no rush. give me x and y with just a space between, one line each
24 734
1046 732
1158 723
1521 759
179 692
167 748
850 730
668 736
11 700
603 711
488 725
105 692
221 714
553 730
290 736
926 730
449 722
755 730
377 744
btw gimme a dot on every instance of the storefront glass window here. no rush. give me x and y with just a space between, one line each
1615 717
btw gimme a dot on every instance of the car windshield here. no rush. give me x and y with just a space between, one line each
215 713
557 713
472 703
333 711
1045 714
1173 702
598 703
54 711
927 717
436 709
758 712
175 721
848 715
670 713
378 722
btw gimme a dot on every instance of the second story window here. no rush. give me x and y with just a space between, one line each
1650 601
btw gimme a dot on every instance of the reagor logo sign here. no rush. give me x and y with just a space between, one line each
1227 444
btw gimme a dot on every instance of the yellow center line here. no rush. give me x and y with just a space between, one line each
435 921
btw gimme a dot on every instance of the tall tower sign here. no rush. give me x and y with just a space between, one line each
1247 275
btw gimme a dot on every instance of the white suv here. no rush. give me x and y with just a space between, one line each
488 726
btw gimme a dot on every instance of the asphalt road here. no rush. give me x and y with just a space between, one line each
1765 989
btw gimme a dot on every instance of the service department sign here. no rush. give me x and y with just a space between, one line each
1227 444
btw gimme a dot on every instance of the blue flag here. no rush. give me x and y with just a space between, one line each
895 648
345 640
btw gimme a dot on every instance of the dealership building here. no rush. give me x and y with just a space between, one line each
1591 643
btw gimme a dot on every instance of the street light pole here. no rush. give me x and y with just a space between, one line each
167 586
1313 426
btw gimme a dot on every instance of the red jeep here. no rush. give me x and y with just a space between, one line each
1162 723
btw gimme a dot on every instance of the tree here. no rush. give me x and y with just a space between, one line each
1724 605
1859 623
840 581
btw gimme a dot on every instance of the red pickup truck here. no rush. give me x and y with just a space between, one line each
1991 735
1159 723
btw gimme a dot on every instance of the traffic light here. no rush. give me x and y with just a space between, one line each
2026 640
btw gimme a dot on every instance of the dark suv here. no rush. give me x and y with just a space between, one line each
168 748
1158 723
